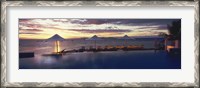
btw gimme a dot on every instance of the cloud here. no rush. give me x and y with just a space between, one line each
86 21
101 30
93 21
162 27
144 22
33 30
104 27
60 20
133 22
25 20
30 31
155 27
147 27
31 25
39 23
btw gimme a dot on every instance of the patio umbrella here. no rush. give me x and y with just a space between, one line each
126 37
94 38
56 38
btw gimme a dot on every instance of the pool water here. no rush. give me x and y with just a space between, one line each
142 59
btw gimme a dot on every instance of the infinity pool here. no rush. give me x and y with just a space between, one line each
104 60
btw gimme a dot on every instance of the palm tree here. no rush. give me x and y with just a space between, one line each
162 34
175 30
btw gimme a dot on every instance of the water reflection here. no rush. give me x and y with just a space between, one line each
107 60
57 46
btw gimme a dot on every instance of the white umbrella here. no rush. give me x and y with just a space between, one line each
56 38
94 38
126 37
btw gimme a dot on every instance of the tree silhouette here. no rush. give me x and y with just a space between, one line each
162 34
175 30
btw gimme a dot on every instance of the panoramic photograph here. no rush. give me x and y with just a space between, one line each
108 43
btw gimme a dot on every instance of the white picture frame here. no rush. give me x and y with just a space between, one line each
4 21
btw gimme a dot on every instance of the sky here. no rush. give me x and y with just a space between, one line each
85 28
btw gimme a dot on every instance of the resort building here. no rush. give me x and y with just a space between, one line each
172 44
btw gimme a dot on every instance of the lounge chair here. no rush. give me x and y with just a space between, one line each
134 47
109 48
120 47
91 48
99 48
130 47
82 49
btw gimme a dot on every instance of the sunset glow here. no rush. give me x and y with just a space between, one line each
84 28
